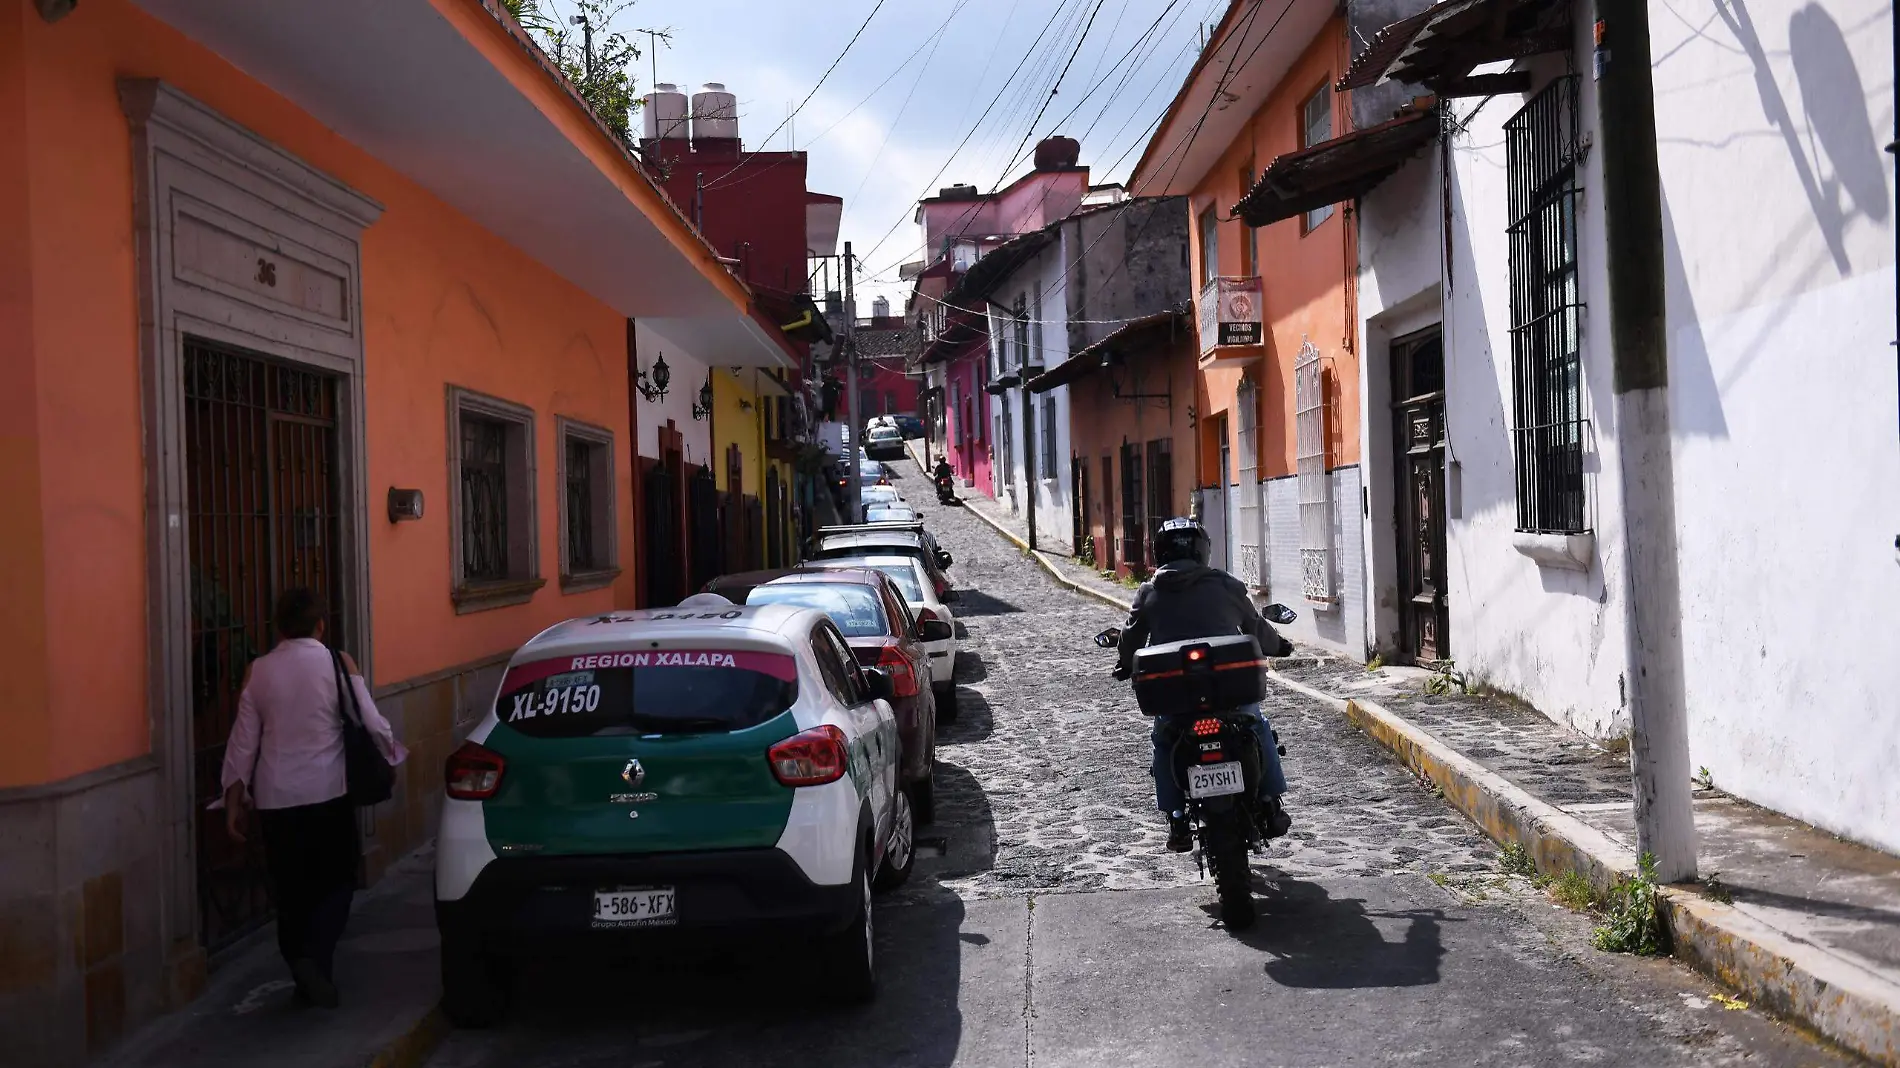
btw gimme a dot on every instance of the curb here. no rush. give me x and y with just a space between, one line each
1778 973
1049 565
412 1047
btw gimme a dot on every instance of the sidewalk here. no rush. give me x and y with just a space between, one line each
1810 930
386 968
1801 923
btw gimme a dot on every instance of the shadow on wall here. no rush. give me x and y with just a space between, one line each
1834 106
1477 428
1695 400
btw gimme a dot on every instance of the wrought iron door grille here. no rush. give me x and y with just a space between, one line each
484 499
1315 484
1250 564
580 507
1160 484
1549 429
263 515
1134 549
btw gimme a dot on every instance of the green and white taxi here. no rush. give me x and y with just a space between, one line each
672 774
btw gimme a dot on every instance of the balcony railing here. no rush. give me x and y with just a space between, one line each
1230 319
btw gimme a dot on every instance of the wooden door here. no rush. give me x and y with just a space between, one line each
1418 434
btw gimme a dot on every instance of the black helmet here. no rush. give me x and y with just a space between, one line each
1181 539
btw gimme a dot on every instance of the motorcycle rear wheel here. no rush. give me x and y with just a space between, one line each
1227 855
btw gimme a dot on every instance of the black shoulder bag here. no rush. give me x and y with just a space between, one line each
370 779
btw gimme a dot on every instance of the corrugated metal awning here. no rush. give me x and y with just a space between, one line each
1340 169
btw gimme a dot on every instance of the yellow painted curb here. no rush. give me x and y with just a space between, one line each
414 1046
1775 972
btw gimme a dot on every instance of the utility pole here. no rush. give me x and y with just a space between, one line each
849 347
1632 200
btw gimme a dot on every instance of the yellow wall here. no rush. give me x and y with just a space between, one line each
733 424
445 302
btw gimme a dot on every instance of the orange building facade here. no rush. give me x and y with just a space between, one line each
1278 426
240 351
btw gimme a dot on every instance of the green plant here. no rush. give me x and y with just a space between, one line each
1445 678
1439 878
1715 889
1377 662
595 61
1086 557
1514 859
1634 923
1703 780
1573 891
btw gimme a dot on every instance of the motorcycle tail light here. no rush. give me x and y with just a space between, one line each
1197 654
810 758
473 772
1206 727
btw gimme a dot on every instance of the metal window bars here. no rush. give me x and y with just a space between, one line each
1315 484
1543 147
484 499
580 507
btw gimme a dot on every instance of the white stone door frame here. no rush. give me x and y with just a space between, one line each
222 217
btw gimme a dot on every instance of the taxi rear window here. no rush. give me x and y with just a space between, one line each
683 691
855 608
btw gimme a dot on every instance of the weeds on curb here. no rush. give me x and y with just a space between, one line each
1440 878
1446 679
1715 889
1634 916
1514 859
1702 779
1573 891
1377 662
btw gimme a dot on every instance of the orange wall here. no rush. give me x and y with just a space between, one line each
444 301
1306 277
1099 422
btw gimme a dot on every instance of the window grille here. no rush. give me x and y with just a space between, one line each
1248 550
1035 328
1315 484
1134 551
580 507
484 499
1316 126
1022 331
1210 246
1542 150
1160 484
1008 434
1049 469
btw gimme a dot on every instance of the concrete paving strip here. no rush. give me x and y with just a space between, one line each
386 970
1770 964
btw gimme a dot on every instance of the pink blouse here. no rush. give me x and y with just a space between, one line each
287 743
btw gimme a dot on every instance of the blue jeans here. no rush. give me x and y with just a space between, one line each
1168 796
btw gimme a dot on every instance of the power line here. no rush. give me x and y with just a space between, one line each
1053 90
801 104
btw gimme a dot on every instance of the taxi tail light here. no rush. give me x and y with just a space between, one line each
903 679
1206 727
925 615
810 758
473 772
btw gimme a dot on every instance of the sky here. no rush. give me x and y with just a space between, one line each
884 128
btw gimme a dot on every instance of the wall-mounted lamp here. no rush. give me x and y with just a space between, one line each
704 407
54 10
654 390
404 504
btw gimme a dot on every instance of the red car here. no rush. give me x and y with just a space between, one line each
871 612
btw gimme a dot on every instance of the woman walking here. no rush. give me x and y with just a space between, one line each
286 758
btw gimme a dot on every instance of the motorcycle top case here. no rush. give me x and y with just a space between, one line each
1199 675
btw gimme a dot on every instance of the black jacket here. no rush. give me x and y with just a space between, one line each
1189 600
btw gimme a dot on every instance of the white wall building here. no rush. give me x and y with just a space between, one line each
1028 334
1779 249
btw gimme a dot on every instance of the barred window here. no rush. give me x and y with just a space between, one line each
589 550
493 540
1021 312
1316 126
1049 438
1543 145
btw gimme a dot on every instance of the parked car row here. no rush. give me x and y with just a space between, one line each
749 764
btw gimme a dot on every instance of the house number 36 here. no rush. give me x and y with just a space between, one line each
267 272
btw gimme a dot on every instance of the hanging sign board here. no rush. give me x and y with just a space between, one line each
1230 313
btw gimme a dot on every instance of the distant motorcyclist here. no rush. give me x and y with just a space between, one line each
1188 599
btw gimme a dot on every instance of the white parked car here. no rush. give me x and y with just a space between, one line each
913 579
717 772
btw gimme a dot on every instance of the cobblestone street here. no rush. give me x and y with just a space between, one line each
1053 752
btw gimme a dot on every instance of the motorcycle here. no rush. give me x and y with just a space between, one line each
1200 687
946 489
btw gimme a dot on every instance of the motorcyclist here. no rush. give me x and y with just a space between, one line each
1188 599
942 470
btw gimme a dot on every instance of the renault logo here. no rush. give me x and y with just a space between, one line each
633 774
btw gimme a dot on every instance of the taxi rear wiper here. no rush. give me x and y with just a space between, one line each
679 724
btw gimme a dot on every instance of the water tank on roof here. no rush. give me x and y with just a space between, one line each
715 113
960 191
665 113
1056 153
881 308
